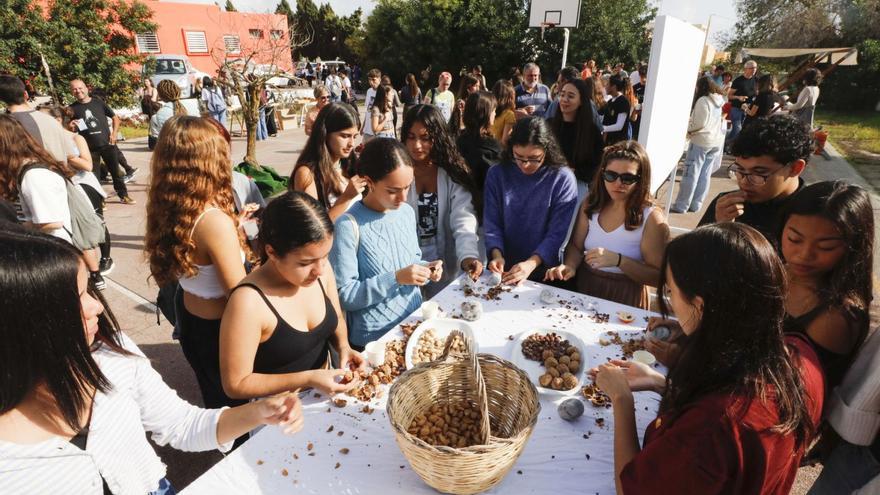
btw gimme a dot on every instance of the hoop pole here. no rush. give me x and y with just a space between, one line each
565 48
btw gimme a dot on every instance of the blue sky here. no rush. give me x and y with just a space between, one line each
723 12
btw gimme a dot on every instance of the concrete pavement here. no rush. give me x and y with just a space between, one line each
131 294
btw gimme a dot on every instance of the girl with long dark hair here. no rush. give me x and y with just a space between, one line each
476 143
325 167
579 128
411 94
827 244
468 85
376 255
382 115
742 402
77 397
619 235
279 324
530 198
444 196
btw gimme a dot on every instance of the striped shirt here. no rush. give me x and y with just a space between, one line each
117 446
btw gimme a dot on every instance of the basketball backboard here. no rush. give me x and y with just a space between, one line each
559 13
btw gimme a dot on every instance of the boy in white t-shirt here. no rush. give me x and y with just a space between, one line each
374 77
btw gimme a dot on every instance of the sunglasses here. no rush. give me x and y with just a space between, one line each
627 178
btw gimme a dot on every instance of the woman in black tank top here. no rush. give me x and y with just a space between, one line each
282 320
826 240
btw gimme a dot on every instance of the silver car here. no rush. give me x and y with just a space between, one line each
178 69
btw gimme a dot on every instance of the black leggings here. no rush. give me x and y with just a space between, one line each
98 204
200 342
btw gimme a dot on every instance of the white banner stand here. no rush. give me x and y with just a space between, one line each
672 75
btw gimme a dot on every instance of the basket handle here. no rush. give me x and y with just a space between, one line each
482 396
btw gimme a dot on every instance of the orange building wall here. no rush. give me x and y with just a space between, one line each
173 19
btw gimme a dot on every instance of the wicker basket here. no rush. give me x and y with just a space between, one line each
498 387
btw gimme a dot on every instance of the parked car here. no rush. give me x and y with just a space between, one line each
178 69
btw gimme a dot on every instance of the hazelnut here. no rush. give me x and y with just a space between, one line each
574 366
551 363
545 379
563 369
557 384
564 360
575 356
547 354
553 372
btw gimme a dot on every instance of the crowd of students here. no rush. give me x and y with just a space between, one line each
771 294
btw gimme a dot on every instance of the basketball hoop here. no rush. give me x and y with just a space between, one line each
546 25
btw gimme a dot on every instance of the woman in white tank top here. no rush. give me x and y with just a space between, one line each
619 237
193 238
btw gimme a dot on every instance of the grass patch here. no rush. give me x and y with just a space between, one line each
857 134
132 132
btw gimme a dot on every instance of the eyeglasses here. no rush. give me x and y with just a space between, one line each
529 161
736 172
627 178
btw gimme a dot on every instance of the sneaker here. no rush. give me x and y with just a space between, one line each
126 200
130 176
106 266
98 281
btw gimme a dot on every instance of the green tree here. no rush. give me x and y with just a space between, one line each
403 36
230 7
94 40
22 26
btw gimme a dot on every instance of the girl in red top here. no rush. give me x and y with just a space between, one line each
742 401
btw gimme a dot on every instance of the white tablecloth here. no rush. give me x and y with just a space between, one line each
560 457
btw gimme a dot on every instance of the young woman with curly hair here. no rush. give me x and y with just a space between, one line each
193 238
444 196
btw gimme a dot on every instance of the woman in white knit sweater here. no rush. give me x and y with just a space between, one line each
444 196
706 139
76 397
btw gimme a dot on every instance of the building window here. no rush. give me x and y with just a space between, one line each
256 34
147 43
196 42
276 34
232 43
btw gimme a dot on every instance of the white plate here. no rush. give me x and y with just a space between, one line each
535 369
442 327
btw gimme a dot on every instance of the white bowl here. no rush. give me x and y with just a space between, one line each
442 327
535 369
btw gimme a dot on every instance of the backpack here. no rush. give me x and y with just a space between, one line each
215 102
87 228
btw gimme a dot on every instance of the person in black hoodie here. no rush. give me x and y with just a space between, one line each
476 143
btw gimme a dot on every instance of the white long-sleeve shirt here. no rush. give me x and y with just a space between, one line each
117 446
854 405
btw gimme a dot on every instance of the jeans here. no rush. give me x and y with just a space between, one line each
220 117
262 133
695 181
848 468
736 123
110 154
165 488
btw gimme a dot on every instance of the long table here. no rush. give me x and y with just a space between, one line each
560 457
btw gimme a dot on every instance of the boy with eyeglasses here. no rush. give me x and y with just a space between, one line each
770 155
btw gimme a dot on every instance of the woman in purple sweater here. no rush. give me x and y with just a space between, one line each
529 200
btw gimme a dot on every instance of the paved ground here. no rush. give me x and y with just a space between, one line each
131 294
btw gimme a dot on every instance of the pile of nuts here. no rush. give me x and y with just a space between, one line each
596 396
370 381
534 346
430 348
452 425
492 294
561 372
628 347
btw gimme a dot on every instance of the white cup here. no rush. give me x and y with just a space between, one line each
375 353
430 309
644 357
